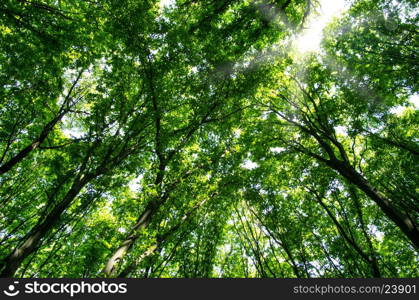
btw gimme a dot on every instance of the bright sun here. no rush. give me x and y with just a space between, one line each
310 38
166 3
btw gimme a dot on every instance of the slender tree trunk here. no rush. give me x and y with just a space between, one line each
32 240
369 260
373 254
130 268
402 221
144 219
7 166
281 243
142 222
402 145
344 168
161 239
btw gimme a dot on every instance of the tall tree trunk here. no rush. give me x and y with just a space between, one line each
7 166
32 240
281 242
344 168
405 224
142 222
373 253
161 239
369 260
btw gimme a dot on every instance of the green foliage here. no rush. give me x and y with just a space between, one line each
187 141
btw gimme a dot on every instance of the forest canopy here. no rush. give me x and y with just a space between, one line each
191 138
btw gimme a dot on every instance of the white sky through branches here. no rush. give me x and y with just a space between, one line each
310 38
165 3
